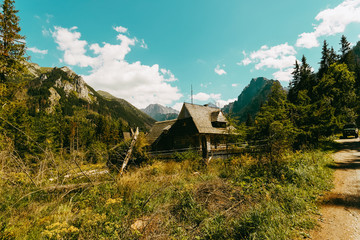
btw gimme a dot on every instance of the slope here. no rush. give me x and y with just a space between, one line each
61 87
160 113
250 99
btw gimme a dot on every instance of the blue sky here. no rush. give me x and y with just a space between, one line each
153 51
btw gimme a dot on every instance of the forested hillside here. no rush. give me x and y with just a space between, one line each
317 105
58 110
250 100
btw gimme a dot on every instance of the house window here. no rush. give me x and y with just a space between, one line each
219 124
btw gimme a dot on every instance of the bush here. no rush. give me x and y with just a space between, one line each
97 153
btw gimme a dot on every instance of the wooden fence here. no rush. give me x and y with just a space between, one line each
226 151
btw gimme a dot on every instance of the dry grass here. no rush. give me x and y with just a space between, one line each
238 198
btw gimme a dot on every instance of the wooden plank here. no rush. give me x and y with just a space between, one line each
128 155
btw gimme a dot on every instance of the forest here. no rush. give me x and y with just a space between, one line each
57 179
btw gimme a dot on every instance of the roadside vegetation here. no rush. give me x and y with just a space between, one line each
238 198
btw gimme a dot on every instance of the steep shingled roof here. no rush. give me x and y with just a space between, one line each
202 117
157 129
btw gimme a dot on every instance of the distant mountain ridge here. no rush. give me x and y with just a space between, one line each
62 88
250 100
160 113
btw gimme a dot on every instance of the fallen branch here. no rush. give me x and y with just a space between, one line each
128 155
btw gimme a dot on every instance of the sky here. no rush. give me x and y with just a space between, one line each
153 51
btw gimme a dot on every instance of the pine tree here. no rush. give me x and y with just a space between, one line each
336 89
333 57
345 46
273 123
293 86
303 79
324 63
12 44
305 71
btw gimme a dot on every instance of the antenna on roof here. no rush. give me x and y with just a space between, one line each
192 98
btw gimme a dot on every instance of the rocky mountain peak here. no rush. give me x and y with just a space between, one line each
160 113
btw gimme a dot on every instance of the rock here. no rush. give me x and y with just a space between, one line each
139 224
70 73
43 77
78 86
54 100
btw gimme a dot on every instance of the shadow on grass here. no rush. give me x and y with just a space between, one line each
343 200
329 145
355 164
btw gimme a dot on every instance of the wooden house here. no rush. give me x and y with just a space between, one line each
197 126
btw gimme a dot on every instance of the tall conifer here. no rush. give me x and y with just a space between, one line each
12 44
324 62
345 46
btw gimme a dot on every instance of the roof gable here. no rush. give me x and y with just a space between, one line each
158 129
203 116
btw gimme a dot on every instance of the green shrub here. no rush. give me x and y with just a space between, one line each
97 153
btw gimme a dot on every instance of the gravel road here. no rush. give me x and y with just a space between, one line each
340 211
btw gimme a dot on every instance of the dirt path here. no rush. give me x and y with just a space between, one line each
340 211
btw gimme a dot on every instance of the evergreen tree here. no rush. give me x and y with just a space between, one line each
293 85
333 57
303 79
324 63
12 44
345 46
273 123
336 89
249 120
347 56
305 73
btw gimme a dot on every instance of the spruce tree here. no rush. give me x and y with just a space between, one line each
333 57
345 46
324 62
12 44
347 56
293 86
273 123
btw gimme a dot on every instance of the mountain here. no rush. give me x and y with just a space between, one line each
61 88
160 113
250 99
356 52
128 110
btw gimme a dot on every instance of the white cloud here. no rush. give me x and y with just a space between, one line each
219 71
206 97
168 75
212 97
178 106
245 62
234 85
120 29
280 57
222 103
45 32
143 44
205 85
137 83
333 21
283 75
307 40
74 49
36 50
48 17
